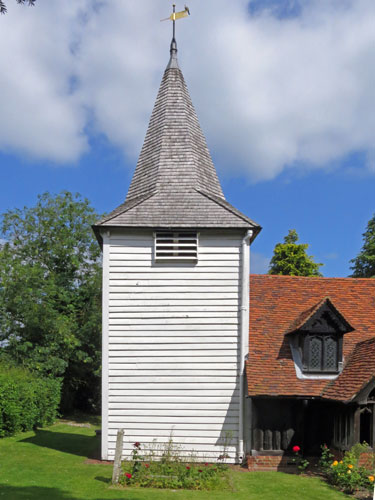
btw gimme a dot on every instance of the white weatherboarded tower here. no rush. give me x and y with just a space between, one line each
175 293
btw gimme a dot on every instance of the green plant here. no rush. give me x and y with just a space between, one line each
325 457
226 440
290 258
346 474
364 264
164 467
357 449
50 294
26 401
301 462
136 457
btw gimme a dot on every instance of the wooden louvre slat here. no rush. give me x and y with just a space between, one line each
181 246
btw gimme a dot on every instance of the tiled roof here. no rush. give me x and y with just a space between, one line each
359 370
277 301
175 182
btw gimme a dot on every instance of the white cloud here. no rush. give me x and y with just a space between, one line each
271 93
259 263
40 117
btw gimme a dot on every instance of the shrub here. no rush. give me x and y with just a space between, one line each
346 474
26 401
301 462
166 469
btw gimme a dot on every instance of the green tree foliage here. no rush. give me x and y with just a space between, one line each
290 258
3 7
50 293
364 264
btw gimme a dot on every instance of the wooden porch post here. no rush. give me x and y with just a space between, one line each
357 425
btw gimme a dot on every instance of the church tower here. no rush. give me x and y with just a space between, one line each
175 294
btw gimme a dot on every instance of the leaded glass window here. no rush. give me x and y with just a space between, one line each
321 353
330 354
316 351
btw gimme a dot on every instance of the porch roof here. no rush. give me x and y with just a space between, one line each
278 301
358 372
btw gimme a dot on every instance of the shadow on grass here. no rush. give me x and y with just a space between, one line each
83 418
75 444
103 479
42 493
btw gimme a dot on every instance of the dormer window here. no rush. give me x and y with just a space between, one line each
176 245
317 334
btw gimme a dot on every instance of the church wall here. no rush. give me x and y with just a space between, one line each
171 344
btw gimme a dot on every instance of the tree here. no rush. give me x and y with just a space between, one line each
290 258
3 8
364 264
50 292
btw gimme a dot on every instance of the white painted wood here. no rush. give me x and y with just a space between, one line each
105 345
244 335
180 340
154 358
174 327
154 276
178 431
209 393
122 400
174 369
177 372
117 408
173 343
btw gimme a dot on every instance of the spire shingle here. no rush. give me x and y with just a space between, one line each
175 182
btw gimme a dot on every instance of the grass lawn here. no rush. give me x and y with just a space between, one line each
50 465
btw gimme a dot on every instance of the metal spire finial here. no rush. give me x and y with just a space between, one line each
175 15
173 42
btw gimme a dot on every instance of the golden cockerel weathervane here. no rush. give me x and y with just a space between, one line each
177 15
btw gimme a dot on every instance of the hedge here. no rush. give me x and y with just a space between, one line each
26 401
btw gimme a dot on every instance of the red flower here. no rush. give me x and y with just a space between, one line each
128 475
296 449
147 465
187 467
206 464
199 470
137 445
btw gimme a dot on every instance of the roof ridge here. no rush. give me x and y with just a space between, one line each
124 207
225 204
319 278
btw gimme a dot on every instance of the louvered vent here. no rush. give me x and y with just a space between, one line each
182 246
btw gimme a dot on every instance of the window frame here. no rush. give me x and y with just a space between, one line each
307 339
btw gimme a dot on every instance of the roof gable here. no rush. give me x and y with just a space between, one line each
323 317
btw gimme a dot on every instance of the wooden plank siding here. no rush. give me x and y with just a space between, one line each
173 344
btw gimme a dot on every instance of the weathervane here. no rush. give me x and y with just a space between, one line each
177 15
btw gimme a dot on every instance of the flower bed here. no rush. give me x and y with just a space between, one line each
347 474
168 470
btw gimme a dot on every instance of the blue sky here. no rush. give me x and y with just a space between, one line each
283 90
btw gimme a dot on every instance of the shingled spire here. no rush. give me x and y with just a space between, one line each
175 184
